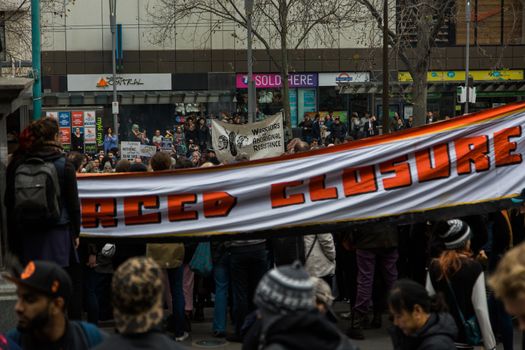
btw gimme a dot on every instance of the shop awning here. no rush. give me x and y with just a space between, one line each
406 88
14 93
136 97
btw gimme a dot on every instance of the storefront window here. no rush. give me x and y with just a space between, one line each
306 103
331 100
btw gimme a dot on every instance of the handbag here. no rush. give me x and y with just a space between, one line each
201 262
471 326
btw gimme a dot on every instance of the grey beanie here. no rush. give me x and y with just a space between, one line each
455 234
285 289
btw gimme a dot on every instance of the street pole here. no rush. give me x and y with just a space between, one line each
251 84
386 102
113 24
36 49
467 54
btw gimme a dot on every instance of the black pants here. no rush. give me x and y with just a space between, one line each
246 270
74 307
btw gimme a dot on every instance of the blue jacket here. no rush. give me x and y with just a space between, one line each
110 142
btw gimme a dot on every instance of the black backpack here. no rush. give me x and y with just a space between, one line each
37 192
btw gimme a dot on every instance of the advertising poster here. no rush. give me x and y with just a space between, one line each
63 120
65 136
52 115
90 118
90 135
77 119
100 132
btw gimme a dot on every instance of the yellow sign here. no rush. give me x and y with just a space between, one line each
458 75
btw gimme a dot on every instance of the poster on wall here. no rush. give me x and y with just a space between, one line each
65 136
63 120
77 119
100 132
90 118
90 135
53 115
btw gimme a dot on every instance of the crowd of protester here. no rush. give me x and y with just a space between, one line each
272 293
331 129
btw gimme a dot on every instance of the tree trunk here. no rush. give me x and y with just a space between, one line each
419 93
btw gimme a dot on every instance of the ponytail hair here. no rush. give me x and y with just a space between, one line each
406 294
38 133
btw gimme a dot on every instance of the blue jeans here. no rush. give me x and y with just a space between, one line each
221 275
248 265
175 277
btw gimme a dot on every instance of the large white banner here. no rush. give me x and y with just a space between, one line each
446 167
257 140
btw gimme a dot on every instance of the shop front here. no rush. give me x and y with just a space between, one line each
152 101
302 96
493 88
343 105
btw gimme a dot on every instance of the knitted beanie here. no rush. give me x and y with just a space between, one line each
453 233
285 289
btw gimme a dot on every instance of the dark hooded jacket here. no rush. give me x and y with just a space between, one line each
304 330
65 230
437 334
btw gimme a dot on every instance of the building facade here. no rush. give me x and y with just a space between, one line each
201 66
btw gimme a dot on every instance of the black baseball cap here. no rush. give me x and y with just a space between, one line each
45 277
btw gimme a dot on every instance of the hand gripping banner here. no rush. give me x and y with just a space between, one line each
438 170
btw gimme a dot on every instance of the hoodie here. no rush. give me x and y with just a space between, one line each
437 334
302 330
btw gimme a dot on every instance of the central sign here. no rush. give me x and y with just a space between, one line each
124 82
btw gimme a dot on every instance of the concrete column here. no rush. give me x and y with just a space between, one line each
25 117
7 290
3 166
